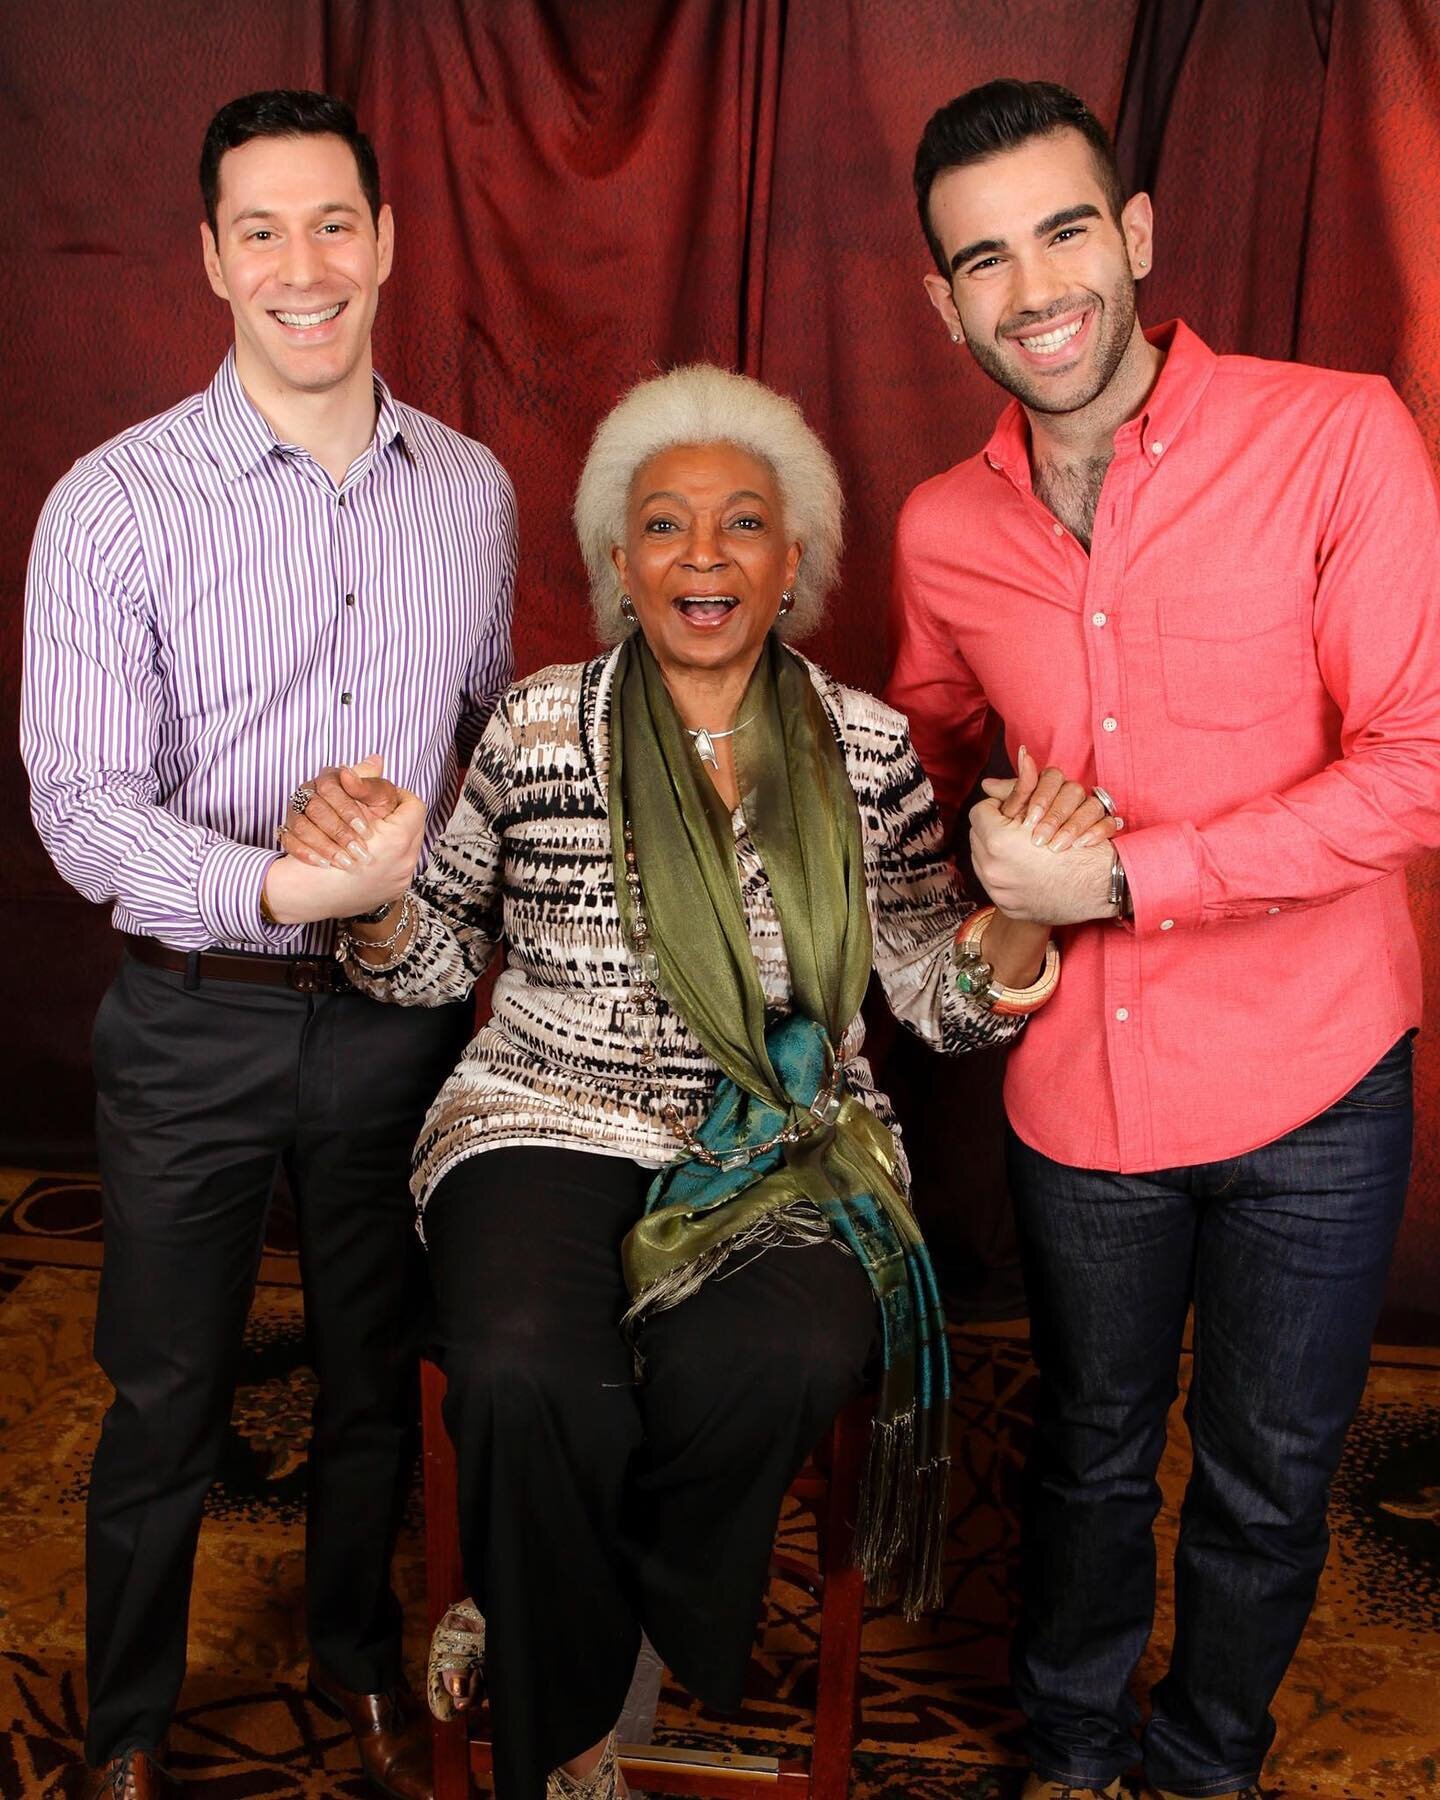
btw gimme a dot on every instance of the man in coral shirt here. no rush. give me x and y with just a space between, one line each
1207 587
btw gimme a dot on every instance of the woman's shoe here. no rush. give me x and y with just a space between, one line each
457 1647
604 1782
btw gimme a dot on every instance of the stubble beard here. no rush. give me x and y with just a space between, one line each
1114 328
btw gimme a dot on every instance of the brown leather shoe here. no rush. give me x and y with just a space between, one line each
391 1734
1245 1793
1039 1787
133 1775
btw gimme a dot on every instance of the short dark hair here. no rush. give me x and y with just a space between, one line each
1000 116
284 112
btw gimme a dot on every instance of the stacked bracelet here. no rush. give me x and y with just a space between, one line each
347 943
975 978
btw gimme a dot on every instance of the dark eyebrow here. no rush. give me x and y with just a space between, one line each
1068 215
264 212
969 250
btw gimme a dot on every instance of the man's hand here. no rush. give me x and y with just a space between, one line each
344 807
297 893
1028 881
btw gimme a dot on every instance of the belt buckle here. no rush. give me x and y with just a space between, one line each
307 976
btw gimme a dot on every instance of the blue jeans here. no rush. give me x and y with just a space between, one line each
1283 1252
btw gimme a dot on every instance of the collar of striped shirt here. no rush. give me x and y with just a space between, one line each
240 435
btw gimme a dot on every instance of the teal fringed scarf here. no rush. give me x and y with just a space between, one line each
835 1176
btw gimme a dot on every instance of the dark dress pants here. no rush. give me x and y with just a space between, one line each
1284 1253
202 1094
593 1505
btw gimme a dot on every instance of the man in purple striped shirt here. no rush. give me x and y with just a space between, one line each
287 572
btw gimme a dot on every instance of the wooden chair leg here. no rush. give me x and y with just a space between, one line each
842 1614
444 1577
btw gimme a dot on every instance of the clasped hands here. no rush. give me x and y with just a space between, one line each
353 848
1041 847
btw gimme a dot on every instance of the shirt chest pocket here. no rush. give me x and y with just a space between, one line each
1233 657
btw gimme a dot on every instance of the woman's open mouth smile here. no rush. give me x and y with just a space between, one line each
705 612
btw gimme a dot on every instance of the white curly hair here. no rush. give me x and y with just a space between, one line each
703 404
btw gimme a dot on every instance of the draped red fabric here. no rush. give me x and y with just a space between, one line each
586 190
577 187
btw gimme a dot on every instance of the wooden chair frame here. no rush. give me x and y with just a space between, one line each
829 1485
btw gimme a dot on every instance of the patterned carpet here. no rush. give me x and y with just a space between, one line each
1359 1714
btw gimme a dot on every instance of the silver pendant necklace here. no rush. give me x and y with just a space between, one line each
705 741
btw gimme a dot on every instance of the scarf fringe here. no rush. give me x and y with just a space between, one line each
904 1514
788 1226
924 1589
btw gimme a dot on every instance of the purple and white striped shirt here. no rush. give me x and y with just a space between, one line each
209 620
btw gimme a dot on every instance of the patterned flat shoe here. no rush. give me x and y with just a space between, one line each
457 1647
604 1782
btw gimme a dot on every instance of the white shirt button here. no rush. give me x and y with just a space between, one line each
1097 618
1122 1013
1110 724
1158 449
1167 924
1059 529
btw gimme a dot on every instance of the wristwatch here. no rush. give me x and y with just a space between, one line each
373 917
1119 887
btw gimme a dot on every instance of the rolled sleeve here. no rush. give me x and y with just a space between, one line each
1162 866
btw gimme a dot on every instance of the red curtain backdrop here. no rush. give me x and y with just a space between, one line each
587 190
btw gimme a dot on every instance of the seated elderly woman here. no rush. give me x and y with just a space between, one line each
694 849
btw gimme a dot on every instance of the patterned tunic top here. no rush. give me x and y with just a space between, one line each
565 1059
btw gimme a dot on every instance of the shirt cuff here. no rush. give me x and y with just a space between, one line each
1163 870
227 896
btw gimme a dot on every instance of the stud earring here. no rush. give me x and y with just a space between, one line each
787 602
954 337
627 610
1144 263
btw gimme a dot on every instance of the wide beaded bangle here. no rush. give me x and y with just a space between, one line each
975 978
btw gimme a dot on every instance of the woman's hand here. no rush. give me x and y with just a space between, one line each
344 807
297 891
1027 881
1058 812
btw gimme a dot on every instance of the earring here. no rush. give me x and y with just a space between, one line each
627 610
1144 264
787 601
954 337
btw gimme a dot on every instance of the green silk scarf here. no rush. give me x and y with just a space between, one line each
837 1177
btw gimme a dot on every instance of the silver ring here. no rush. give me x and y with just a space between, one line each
1099 794
301 798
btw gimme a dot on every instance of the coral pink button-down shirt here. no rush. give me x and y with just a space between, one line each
1248 660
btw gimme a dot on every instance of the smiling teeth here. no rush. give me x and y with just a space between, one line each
1052 340
305 320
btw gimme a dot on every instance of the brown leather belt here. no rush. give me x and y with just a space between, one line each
301 974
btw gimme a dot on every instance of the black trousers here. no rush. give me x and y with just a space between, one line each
592 1506
201 1095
